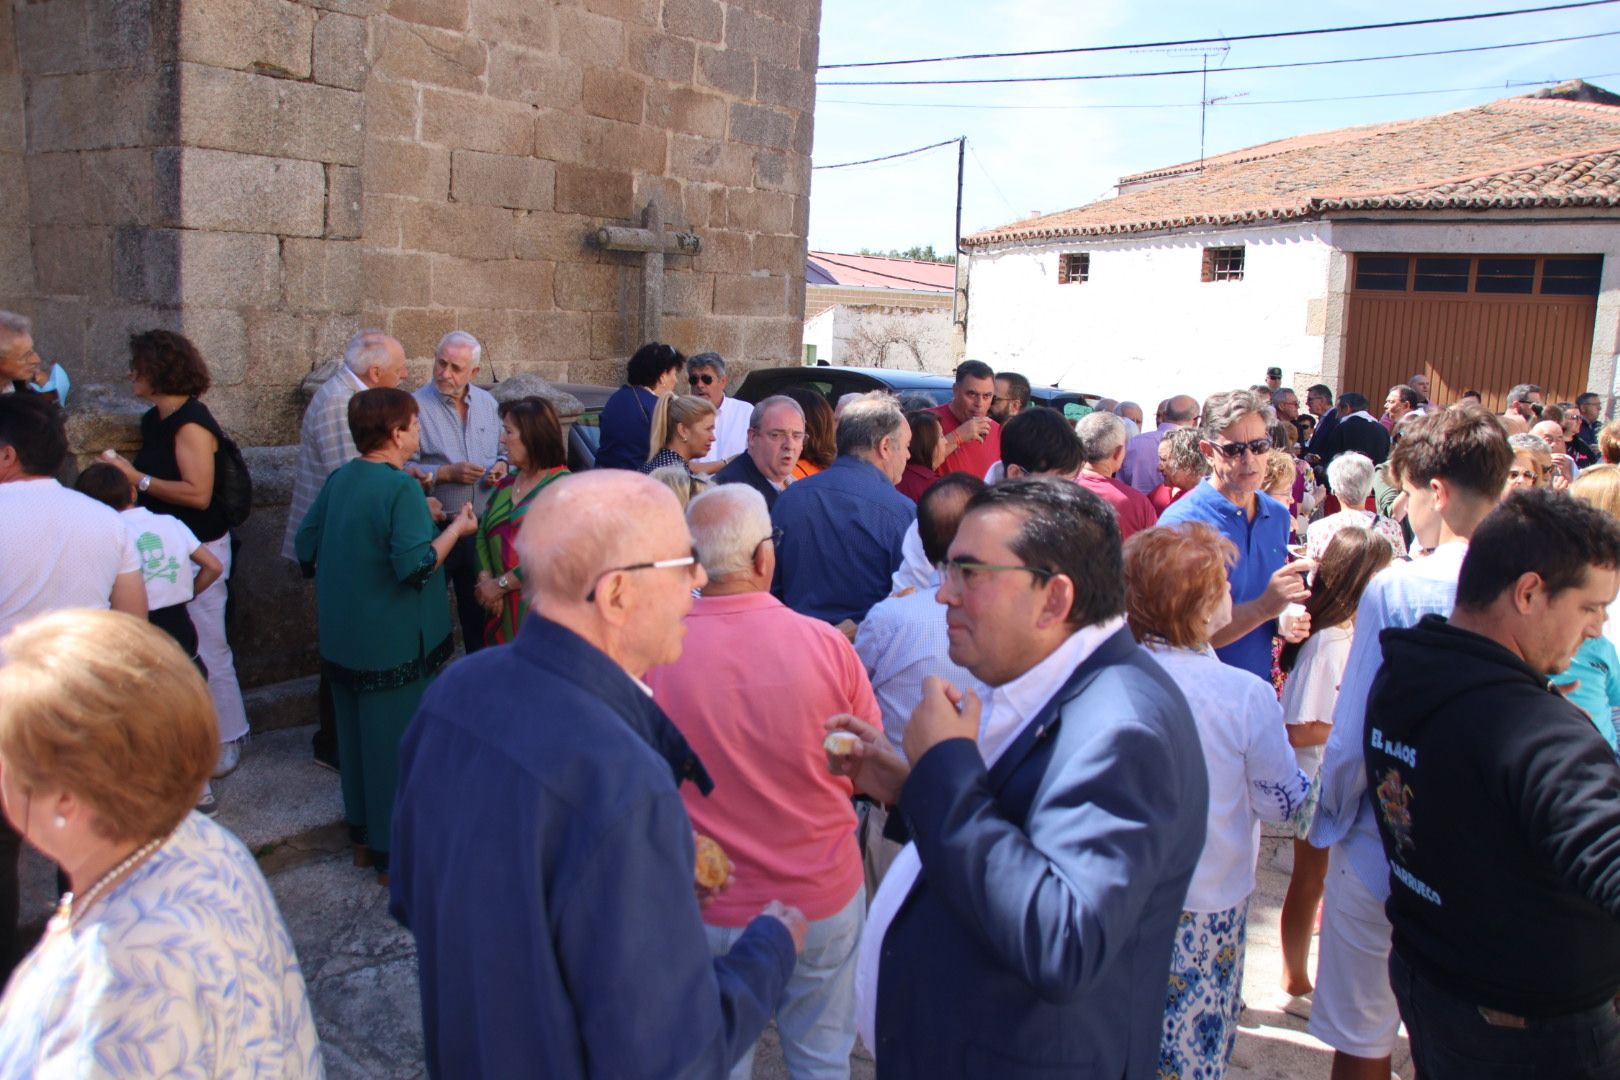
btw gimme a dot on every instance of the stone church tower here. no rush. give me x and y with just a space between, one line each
266 176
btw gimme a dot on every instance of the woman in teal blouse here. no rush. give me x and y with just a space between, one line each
384 619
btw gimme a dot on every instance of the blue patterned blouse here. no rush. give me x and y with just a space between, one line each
184 969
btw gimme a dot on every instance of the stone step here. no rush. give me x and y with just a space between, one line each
278 801
279 705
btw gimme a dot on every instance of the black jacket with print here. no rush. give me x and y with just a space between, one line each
1499 807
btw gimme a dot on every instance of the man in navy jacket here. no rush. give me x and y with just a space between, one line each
1026 930
542 856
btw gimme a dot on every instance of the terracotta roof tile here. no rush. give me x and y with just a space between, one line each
1515 153
879 271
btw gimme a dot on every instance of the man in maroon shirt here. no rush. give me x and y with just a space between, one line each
974 440
1102 435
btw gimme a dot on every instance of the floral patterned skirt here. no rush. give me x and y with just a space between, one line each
1206 994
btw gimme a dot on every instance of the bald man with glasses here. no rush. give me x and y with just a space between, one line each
542 856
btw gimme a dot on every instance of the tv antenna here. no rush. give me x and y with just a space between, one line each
1205 53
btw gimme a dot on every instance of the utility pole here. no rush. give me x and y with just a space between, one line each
956 276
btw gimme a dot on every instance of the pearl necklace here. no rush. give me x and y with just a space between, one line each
69 910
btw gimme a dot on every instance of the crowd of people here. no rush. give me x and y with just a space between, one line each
951 726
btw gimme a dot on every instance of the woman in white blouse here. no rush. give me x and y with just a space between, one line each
1176 597
169 957
1314 669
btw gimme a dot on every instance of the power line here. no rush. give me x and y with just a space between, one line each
1194 104
1225 40
994 186
1199 71
890 157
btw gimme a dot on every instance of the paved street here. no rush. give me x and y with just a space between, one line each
361 970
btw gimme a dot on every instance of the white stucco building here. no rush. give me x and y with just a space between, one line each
1480 247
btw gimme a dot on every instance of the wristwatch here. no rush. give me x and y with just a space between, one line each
504 581
146 482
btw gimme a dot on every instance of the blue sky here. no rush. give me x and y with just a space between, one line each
1065 144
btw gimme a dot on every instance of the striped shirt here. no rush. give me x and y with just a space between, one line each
447 439
324 445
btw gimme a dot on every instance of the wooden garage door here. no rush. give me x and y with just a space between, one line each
1481 322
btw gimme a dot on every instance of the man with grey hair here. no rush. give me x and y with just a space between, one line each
754 683
1102 436
541 853
1131 413
775 441
371 359
1285 403
458 460
844 526
1525 399
17 359
706 375
1141 466
1262 581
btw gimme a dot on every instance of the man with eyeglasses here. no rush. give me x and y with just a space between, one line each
706 375
845 526
775 441
1054 827
18 361
754 683
1263 583
541 856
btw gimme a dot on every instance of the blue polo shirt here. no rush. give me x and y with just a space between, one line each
842 529
1262 547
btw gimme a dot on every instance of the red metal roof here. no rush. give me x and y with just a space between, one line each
878 272
1523 152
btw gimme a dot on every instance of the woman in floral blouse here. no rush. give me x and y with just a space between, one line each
169 957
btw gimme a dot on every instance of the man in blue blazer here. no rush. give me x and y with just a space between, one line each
1025 931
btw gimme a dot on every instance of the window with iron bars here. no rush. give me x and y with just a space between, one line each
1223 264
1074 268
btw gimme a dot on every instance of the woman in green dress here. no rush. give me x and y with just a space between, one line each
384 617
532 437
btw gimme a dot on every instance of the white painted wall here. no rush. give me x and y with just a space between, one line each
1144 327
883 336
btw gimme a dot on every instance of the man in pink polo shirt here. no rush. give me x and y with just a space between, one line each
750 692
974 440
1102 435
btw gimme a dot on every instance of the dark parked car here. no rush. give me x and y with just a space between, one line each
834 382
585 433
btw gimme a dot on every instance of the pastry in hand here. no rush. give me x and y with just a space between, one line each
713 867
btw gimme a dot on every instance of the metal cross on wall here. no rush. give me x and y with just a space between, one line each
653 243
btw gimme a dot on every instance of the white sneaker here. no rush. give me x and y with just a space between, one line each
208 805
230 756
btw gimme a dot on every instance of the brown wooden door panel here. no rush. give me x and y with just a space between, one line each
1463 341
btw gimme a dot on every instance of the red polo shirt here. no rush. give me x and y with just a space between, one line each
1133 509
975 458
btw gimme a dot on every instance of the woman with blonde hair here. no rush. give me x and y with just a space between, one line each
1592 680
169 956
1176 599
682 431
686 484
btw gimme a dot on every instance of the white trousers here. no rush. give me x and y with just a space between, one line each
208 616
